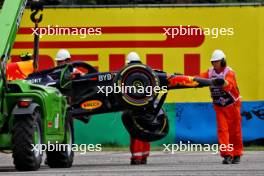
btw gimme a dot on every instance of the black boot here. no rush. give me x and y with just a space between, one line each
236 160
46 161
144 161
135 161
227 159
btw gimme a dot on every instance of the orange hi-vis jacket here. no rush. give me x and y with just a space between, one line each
228 94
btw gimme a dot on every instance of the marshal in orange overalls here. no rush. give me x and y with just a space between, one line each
227 106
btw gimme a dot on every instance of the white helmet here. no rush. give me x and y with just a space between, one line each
132 56
62 55
218 55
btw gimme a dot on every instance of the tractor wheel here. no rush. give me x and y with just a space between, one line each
27 132
64 157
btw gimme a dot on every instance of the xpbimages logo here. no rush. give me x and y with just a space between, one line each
148 90
82 148
188 147
83 32
181 30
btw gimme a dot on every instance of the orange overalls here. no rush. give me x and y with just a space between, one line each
139 149
227 106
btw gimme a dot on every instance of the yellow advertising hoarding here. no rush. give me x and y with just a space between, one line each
166 38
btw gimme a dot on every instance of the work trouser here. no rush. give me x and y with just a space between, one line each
139 149
229 129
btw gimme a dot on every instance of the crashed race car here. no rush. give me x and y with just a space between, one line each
137 90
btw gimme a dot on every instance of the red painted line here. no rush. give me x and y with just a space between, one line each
177 41
116 61
84 57
155 61
114 29
191 64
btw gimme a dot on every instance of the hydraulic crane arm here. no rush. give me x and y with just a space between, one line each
10 17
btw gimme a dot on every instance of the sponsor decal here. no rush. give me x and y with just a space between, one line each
91 104
105 77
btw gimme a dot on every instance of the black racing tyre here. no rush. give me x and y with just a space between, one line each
146 127
137 82
63 158
27 131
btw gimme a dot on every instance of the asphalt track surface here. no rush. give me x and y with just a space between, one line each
159 163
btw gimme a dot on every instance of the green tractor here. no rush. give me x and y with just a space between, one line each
33 118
